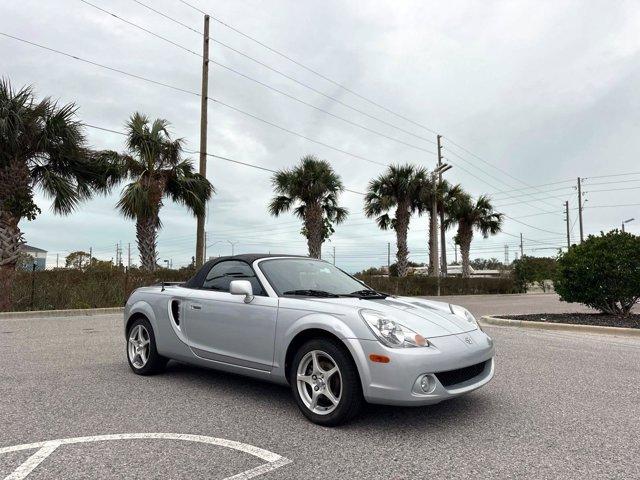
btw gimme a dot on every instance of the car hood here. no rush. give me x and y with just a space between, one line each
428 318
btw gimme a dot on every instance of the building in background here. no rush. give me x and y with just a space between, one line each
32 255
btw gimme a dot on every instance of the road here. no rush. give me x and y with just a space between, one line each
560 406
515 304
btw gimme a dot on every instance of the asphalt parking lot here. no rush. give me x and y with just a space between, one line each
561 405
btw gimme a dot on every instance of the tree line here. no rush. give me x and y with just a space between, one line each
43 147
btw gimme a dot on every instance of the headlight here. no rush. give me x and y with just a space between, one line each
462 312
390 332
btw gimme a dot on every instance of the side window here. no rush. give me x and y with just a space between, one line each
221 274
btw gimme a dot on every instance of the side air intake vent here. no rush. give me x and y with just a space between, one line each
175 311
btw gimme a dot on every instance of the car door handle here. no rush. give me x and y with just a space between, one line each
195 306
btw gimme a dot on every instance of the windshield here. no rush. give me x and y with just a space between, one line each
297 274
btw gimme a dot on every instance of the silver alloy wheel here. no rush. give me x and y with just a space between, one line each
138 346
319 382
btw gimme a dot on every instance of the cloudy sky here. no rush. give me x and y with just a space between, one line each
526 93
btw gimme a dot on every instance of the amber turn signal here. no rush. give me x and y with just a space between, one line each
379 358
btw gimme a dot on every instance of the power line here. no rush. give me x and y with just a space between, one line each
612 175
611 189
219 157
533 186
315 72
197 95
259 82
307 68
289 77
531 226
96 64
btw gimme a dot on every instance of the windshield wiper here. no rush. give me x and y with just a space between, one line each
367 294
310 293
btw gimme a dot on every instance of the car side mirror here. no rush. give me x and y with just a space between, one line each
242 287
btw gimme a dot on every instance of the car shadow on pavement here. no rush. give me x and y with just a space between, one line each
278 398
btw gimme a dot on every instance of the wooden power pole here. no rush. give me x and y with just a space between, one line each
443 243
580 209
204 100
566 211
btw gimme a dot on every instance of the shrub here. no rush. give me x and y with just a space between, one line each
602 273
94 288
423 285
528 270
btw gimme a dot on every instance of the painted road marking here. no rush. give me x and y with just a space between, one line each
45 449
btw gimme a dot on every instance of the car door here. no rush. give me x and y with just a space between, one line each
223 327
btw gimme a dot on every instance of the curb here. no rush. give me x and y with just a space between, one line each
88 312
567 327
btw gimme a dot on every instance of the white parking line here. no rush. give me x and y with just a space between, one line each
47 448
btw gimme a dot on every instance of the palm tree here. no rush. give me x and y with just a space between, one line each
399 187
314 187
157 171
470 216
42 146
446 193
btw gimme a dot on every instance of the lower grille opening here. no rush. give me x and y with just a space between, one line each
453 377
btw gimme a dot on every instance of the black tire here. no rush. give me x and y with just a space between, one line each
155 362
351 399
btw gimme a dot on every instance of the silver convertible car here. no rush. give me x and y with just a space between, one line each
305 323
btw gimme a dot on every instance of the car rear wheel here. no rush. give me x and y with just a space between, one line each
325 383
141 349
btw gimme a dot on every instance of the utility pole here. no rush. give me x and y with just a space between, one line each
442 229
434 259
389 258
566 210
506 254
57 258
334 255
580 208
204 100
521 247
233 245
129 255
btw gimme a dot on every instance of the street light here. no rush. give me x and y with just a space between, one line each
627 221
233 245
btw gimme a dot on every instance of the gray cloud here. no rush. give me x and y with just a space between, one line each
545 91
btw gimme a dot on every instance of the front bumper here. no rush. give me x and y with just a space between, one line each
398 382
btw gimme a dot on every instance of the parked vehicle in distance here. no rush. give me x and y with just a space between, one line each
303 322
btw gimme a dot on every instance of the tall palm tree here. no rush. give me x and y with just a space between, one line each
314 187
445 193
42 146
399 187
157 170
470 216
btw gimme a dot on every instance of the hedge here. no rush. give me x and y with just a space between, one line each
69 289
422 285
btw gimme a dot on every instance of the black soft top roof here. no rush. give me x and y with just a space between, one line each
198 279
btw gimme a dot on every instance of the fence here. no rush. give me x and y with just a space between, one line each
68 289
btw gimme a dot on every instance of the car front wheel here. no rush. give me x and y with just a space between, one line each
141 349
325 383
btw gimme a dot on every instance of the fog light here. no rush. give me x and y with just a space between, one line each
425 384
